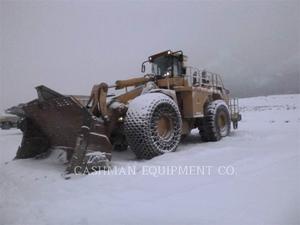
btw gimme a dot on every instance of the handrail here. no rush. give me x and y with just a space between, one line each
203 77
234 105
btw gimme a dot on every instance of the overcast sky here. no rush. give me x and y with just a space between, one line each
71 45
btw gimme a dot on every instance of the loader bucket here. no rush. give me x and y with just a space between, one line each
56 120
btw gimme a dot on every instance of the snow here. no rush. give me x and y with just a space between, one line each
141 103
264 188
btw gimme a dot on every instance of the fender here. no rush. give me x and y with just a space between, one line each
168 92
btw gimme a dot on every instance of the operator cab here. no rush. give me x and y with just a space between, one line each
166 63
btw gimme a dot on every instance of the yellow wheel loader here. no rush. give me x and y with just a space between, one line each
150 115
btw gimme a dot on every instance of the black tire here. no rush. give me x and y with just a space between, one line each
152 125
216 121
120 147
118 140
6 125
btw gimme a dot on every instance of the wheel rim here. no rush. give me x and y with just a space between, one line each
164 127
222 123
222 120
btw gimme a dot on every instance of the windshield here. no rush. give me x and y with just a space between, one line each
161 65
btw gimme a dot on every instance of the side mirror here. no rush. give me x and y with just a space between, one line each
143 69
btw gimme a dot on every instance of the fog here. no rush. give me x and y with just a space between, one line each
71 45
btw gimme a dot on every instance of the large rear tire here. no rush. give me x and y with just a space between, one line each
152 125
216 121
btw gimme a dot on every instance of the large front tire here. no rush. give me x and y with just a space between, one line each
216 121
152 125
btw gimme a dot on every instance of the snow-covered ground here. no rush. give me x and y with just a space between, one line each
261 186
